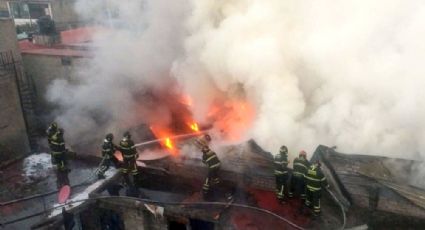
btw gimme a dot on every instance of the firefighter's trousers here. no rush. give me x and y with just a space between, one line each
59 160
129 165
106 164
313 200
297 186
129 170
281 180
211 180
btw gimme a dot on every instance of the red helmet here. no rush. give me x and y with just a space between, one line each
303 154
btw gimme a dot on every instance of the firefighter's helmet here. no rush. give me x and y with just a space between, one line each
207 137
283 150
53 125
109 136
127 134
205 149
303 154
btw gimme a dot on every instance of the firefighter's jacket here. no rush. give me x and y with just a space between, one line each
211 160
127 148
315 179
281 164
301 166
201 142
56 141
108 149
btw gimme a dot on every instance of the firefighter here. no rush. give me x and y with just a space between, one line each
210 158
129 155
301 165
315 180
203 141
281 172
57 146
108 158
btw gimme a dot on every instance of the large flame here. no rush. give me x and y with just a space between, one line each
164 134
230 118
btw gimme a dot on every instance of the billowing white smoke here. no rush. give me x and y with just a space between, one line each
334 72
114 90
345 73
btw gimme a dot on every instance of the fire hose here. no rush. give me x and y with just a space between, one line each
163 203
340 205
147 143
93 174
172 137
172 203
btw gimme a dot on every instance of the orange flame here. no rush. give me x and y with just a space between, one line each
168 143
232 118
165 135
194 126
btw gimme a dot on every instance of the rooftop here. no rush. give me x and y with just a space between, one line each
366 187
74 43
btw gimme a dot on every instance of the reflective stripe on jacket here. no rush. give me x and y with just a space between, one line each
280 164
211 160
315 179
301 166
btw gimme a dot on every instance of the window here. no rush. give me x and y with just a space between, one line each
20 10
38 10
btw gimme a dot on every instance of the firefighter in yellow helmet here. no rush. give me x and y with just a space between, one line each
58 153
57 146
129 155
281 172
210 158
108 158
300 167
315 181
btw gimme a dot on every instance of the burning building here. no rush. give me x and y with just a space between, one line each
365 193
261 72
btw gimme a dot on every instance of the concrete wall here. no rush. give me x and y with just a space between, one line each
8 40
13 134
43 69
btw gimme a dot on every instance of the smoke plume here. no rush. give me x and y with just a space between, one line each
347 72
